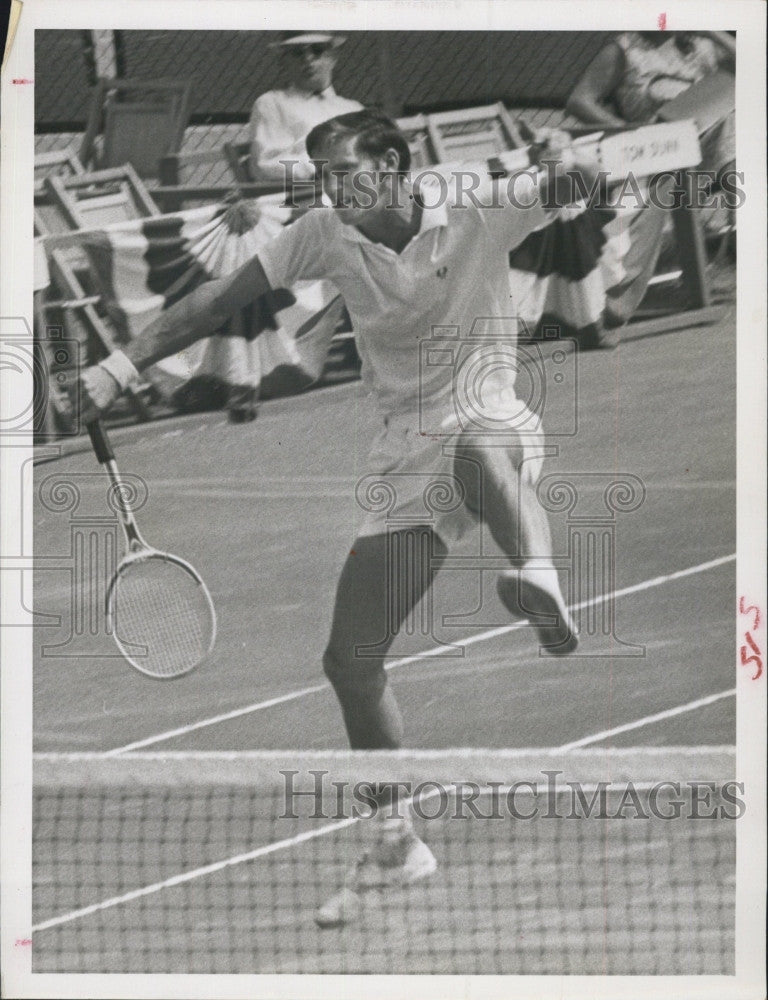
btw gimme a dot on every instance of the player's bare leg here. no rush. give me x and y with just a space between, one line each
375 595
500 489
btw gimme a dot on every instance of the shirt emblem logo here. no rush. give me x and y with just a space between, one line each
441 273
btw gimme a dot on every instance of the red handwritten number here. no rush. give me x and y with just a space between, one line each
662 22
746 660
748 610
23 942
744 651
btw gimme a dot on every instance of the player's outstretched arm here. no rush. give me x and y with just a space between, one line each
195 316
562 159
198 314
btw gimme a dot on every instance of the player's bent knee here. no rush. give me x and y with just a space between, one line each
477 463
517 454
353 677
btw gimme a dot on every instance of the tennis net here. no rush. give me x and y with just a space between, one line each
589 862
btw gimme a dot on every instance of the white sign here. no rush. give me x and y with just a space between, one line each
651 149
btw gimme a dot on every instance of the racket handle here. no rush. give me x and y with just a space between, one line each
100 442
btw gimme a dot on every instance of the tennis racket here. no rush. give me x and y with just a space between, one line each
158 609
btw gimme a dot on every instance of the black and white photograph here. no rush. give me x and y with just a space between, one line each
383 440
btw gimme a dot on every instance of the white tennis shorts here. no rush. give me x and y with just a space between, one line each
413 480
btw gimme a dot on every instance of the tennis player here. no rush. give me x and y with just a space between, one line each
406 260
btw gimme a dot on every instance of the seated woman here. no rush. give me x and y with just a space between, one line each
627 83
639 71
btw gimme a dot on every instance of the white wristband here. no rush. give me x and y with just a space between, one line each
121 368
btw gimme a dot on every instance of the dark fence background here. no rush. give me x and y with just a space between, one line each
401 71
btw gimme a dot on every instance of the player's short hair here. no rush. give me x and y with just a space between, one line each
374 131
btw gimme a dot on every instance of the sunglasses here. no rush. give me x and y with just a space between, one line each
299 51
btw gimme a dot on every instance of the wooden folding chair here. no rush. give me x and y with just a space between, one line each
708 102
100 197
87 201
65 207
63 162
195 167
472 134
140 121
48 216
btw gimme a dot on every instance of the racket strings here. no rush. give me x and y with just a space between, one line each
162 616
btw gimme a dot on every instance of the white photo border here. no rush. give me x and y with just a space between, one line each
747 18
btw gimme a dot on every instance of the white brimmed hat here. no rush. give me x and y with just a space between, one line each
290 38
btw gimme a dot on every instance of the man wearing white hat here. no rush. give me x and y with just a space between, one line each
281 119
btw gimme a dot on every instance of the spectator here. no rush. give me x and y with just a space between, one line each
639 71
280 122
626 84
281 119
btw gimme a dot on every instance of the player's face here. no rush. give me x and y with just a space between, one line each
311 66
356 184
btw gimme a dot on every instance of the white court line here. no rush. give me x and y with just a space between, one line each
669 713
435 651
169 883
215 719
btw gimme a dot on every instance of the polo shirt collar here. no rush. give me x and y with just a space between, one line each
325 94
432 217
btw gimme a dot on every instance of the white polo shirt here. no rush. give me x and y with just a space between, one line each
281 121
450 280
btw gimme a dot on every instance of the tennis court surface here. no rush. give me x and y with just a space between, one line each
266 511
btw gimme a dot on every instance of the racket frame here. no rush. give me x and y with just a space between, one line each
139 550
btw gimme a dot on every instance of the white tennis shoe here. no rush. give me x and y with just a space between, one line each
535 590
397 858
